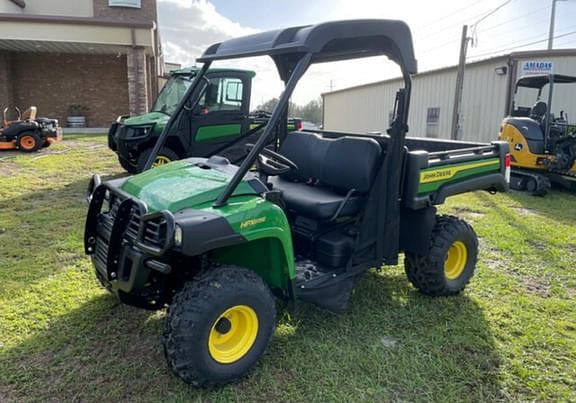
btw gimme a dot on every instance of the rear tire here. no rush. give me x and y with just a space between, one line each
218 326
450 262
29 142
164 156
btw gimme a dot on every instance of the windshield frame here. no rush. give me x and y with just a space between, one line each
161 102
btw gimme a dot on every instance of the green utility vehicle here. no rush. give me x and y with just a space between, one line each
220 123
214 242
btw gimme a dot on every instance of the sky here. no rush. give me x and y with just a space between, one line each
188 27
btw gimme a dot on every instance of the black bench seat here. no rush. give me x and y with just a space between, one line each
334 176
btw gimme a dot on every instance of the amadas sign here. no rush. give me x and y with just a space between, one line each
536 67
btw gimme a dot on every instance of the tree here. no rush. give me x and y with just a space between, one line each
311 112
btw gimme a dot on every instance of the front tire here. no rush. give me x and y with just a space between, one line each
128 167
218 326
450 262
164 156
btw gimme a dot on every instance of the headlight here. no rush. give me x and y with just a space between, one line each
177 235
137 132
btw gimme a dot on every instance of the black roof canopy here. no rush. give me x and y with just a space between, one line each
328 41
540 80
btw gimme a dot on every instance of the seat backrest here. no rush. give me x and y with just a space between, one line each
538 110
343 164
30 113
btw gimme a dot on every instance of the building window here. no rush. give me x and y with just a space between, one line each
432 120
124 3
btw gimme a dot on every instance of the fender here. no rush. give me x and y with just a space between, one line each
252 232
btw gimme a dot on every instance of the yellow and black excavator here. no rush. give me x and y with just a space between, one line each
542 145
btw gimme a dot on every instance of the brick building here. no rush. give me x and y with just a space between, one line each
102 54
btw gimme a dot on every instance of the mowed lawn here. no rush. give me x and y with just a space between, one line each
510 336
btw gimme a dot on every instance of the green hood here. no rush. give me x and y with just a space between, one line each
147 119
179 185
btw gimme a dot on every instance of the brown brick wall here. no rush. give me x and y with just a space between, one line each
6 81
53 81
147 11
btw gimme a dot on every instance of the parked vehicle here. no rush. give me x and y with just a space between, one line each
219 124
28 133
542 145
214 241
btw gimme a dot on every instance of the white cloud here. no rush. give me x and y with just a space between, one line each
188 27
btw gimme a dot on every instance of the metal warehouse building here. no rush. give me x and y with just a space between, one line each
488 91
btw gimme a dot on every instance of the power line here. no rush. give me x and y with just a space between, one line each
491 12
439 46
533 37
513 19
516 29
483 16
496 51
474 36
456 24
453 13
564 43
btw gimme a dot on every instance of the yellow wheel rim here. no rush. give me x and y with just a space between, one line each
455 260
161 160
233 334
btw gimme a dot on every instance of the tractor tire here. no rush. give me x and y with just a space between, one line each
29 142
450 262
538 185
128 167
165 155
46 144
218 326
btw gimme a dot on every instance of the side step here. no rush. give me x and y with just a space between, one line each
326 287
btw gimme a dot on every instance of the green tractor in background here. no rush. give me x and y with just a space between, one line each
214 241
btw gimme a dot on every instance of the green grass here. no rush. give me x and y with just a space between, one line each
510 336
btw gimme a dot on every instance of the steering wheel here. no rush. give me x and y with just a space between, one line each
271 163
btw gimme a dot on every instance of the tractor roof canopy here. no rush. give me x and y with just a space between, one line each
540 80
328 41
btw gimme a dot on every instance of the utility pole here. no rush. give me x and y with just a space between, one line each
457 111
459 85
552 20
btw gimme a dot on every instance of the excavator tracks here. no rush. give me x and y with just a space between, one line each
538 184
529 181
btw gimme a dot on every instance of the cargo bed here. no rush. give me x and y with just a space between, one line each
438 168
